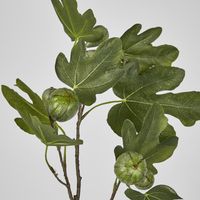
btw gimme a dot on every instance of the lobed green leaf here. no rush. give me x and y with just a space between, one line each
46 133
148 141
78 26
37 101
138 48
159 192
20 104
154 123
139 93
94 74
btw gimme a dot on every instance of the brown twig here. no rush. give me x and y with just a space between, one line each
64 167
77 154
115 188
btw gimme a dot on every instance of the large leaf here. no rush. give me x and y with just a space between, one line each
159 192
46 133
154 123
77 26
22 105
148 141
91 75
138 47
138 91
149 136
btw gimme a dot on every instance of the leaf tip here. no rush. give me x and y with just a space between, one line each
3 89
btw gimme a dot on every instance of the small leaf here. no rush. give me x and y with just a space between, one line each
22 105
134 195
37 101
159 192
129 135
148 141
152 168
154 123
162 151
131 38
118 151
102 34
163 192
138 48
91 75
46 133
20 122
76 26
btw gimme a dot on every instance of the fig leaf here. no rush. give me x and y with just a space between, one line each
35 108
46 133
91 75
147 142
139 93
77 26
138 48
160 192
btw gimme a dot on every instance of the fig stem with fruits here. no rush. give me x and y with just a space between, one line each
136 70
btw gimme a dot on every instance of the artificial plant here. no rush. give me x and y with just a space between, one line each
136 70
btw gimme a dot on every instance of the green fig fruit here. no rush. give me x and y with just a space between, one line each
130 168
147 182
46 96
62 104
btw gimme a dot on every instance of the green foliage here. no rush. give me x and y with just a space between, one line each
79 26
148 141
46 133
138 71
138 48
129 135
101 30
21 124
160 192
139 93
36 108
154 123
34 118
91 75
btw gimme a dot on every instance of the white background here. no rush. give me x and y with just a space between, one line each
31 36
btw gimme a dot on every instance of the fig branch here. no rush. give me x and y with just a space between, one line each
64 168
136 70
115 188
77 153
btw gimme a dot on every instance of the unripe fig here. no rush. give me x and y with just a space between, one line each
47 93
130 168
62 104
147 182
46 96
